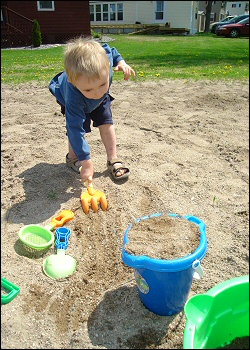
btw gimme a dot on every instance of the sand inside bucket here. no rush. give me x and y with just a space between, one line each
163 237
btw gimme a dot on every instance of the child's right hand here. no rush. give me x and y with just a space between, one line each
125 68
87 171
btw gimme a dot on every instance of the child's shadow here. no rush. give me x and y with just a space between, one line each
46 187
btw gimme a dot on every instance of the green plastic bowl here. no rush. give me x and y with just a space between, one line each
216 318
59 265
37 237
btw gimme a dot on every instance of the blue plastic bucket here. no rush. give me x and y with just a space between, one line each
164 285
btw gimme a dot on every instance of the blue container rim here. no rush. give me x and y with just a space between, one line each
162 265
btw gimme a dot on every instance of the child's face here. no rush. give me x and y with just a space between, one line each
93 88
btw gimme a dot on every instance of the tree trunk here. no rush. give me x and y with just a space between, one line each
208 13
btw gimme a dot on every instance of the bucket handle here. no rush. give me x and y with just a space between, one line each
198 271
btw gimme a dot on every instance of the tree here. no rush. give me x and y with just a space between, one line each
208 13
36 34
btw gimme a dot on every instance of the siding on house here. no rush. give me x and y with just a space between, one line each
141 11
221 9
180 14
133 11
217 11
237 7
69 16
68 20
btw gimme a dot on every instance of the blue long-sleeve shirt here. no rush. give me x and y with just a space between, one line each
77 105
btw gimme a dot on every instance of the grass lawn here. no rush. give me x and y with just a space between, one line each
152 56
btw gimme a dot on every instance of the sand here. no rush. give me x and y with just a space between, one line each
187 146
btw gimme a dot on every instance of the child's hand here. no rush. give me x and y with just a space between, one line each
87 171
125 68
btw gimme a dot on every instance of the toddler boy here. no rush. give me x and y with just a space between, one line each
82 90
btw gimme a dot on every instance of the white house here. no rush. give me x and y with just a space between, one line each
177 14
237 7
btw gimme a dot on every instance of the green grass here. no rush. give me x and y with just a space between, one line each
152 56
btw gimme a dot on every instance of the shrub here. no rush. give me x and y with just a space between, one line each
36 34
95 35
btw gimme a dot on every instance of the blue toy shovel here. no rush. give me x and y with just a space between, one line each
60 265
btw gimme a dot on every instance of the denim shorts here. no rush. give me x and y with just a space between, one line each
100 116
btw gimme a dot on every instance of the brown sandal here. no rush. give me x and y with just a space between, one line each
116 165
71 163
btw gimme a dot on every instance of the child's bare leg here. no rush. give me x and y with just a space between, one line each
107 132
71 154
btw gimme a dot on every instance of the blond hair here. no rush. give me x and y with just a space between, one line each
84 56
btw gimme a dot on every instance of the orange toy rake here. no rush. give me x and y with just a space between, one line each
92 198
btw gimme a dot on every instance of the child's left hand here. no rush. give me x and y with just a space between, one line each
125 68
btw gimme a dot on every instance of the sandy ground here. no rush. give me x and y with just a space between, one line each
187 146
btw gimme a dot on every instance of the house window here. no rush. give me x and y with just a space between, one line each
159 10
212 17
120 12
235 5
92 12
112 12
45 6
98 13
106 12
